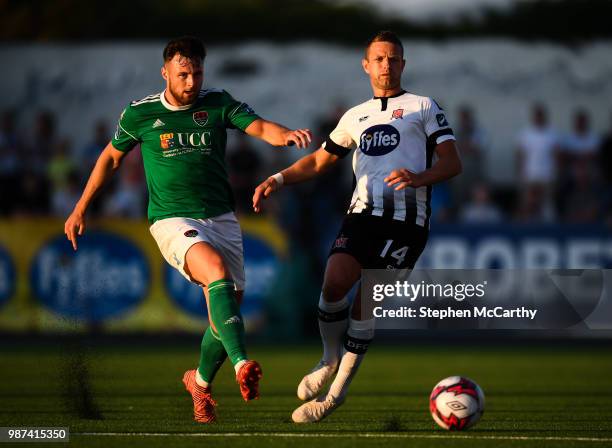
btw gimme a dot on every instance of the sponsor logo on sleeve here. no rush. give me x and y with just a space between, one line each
441 120
246 109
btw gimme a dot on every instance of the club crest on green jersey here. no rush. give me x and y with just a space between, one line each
200 117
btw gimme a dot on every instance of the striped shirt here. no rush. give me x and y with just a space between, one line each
390 133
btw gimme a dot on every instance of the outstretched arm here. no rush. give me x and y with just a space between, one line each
107 164
306 168
448 165
278 135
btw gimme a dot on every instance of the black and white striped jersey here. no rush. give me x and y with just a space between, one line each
387 134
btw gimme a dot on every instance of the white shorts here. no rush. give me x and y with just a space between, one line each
175 236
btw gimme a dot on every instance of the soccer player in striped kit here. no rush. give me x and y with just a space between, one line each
182 133
402 144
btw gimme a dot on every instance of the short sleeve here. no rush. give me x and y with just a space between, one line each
238 115
126 136
435 122
339 142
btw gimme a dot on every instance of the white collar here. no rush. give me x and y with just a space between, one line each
167 105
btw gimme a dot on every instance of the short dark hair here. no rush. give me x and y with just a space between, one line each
187 46
384 36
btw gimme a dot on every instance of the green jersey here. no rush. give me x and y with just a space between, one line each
183 150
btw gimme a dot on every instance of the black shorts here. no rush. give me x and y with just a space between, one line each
380 243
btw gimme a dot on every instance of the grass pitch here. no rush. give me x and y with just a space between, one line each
131 394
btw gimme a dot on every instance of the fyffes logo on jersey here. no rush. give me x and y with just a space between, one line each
379 140
200 117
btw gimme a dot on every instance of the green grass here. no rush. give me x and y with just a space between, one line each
532 391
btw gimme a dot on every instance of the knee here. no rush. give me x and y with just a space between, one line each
341 273
333 290
205 266
216 270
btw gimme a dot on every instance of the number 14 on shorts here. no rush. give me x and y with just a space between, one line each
399 254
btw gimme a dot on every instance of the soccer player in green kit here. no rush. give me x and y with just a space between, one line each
182 133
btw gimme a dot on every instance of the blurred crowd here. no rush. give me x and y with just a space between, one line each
560 176
43 174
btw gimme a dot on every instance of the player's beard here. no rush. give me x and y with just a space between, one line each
181 97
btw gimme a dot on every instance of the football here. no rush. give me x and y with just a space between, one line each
456 403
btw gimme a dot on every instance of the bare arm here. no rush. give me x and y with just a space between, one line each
306 168
278 135
107 164
448 165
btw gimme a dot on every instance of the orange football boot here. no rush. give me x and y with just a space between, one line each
203 403
248 378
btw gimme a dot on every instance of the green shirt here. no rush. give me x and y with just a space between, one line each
183 150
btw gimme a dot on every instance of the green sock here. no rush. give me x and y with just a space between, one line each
224 312
212 355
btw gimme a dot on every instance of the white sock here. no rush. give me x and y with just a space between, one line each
359 335
362 329
333 322
199 380
239 364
